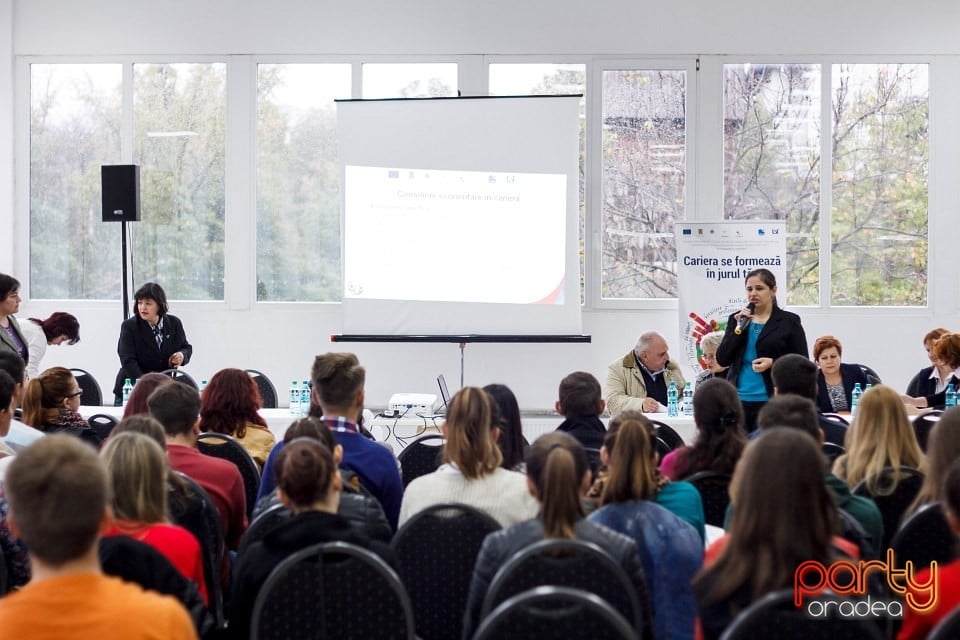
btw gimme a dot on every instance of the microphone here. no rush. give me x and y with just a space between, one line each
744 321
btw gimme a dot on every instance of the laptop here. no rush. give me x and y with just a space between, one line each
444 394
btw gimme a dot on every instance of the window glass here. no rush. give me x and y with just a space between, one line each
409 80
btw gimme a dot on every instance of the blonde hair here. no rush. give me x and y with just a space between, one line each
880 436
632 474
137 467
468 425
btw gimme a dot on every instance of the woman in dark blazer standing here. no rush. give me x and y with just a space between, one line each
836 380
150 340
770 332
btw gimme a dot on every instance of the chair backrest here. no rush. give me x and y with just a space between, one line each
555 613
4 581
103 424
948 628
667 433
90 394
852 531
872 376
570 563
776 616
893 505
263 523
194 510
332 590
714 491
436 550
662 447
220 445
422 456
268 392
924 537
836 417
832 451
181 376
922 425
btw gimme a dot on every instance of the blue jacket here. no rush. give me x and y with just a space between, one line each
671 552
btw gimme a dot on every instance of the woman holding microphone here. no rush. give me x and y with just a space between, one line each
755 337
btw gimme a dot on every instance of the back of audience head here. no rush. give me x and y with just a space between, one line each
177 407
792 411
45 396
144 424
558 474
792 373
718 415
58 491
943 448
629 452
306 474
310 427
8 392
137 466
470 444
12 364
510 441
579 396
338 382
137 403
229 402
950 492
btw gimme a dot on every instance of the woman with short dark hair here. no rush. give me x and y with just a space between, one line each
57 329
11 335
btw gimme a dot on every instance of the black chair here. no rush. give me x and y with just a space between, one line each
181 376
437 576
593 459
832 451
268 392
852 531
667 433
103 424
422 456
923 425
555 613
220 445
776 616
90 394
714 491
4 581
263 523
194 510
872 376
924 537
571 563
662 447
332 590
948 628
893 505
836 417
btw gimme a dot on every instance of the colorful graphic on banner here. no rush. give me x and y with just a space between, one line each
713 259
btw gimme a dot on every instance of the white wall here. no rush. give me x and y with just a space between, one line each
281 339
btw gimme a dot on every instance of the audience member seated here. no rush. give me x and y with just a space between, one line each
836 379
138 473
720 439
581 404
51 404
796 374
558 476
639 380
792 411
309 485
932 379
943 448
58 493
12 339
783 516
879 436
472 474
510 442
177 408
670 549
57 329
8 398
19 435
946 351
708 347
361 510
137 402
229 405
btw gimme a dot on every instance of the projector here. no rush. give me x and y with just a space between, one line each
411 403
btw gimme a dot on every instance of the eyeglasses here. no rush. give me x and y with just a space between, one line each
74 395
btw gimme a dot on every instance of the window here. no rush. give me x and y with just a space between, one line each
644 174
298 205
409 80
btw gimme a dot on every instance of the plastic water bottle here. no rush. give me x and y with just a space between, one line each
203 385
855 398
951 396
687 400
294 398
128 389
672 400
305 398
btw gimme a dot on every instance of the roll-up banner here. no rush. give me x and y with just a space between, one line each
713 259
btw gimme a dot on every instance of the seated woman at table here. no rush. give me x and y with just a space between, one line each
932 379
51 403
57 329
720 439
708 346
836 380
230 405
472 474
137 402
946 351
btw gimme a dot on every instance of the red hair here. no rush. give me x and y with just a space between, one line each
825 342
229 403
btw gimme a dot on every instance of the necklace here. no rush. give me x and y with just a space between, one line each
755 328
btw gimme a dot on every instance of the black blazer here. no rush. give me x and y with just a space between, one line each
782 334
138 350
922 384
850 375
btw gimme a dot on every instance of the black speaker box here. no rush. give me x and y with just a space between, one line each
120 185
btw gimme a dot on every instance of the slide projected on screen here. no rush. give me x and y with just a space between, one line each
454 236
